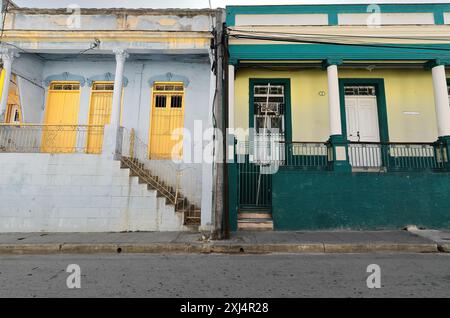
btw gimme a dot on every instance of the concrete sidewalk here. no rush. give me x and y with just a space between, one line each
241 242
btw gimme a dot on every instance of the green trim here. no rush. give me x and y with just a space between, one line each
288 114
279 52
444 142
381 103
437 9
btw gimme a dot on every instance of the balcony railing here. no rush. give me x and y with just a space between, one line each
383 157
302 155
35 138
396 156
307 155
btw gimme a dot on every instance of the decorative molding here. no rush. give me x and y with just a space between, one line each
107 77
8 54
121 55
433 63
169 77
66 76
331 61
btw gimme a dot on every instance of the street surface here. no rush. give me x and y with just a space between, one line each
402 275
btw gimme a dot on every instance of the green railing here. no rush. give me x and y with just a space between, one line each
392 157
307 155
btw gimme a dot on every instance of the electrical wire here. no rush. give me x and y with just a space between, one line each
271 37
345 35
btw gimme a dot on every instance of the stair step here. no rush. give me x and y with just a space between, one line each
255 226
138 169
248 215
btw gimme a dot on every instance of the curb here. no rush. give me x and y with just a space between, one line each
444 247
219 248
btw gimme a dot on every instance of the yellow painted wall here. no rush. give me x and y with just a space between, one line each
406 91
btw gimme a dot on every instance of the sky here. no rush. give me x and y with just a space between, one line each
192 3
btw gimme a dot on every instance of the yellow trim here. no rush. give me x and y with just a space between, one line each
8 113
2 81
160 143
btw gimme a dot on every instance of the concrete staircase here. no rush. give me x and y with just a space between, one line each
255 221
192 214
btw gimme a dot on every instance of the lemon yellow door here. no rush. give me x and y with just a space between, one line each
167 118
2 79
99 114
61 118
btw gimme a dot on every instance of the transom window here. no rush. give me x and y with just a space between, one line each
168 95
269 107
166 87
65 86
360 91
103 87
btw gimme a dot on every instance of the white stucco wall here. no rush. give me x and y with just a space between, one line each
77 193
136 103
29 70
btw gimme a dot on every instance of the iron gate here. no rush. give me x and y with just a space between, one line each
255 188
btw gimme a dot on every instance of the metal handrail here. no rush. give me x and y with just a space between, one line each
48 138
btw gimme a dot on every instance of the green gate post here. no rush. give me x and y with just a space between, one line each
444 145
338 154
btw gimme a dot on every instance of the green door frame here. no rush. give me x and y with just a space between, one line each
381 104
287 115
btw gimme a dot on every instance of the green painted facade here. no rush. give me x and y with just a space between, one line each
438 10
332 196
360 201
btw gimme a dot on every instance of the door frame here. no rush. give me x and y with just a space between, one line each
91 93
381 103
46 111
152 106
287 114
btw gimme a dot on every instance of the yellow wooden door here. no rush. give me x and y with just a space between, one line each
99 115
2 79
61 118
167 117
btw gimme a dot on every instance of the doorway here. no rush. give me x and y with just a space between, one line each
61 118
363 130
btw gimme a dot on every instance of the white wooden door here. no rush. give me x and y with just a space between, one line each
363 126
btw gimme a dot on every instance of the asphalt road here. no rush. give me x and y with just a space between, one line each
418 275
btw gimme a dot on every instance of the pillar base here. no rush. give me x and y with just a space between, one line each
112 142
339 154
443 145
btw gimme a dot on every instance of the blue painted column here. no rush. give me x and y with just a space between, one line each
338 152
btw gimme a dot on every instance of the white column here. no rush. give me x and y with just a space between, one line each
110 140
8 58
231 100
334 101
441 100
121 56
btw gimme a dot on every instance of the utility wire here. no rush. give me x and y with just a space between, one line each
344 35
270 37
